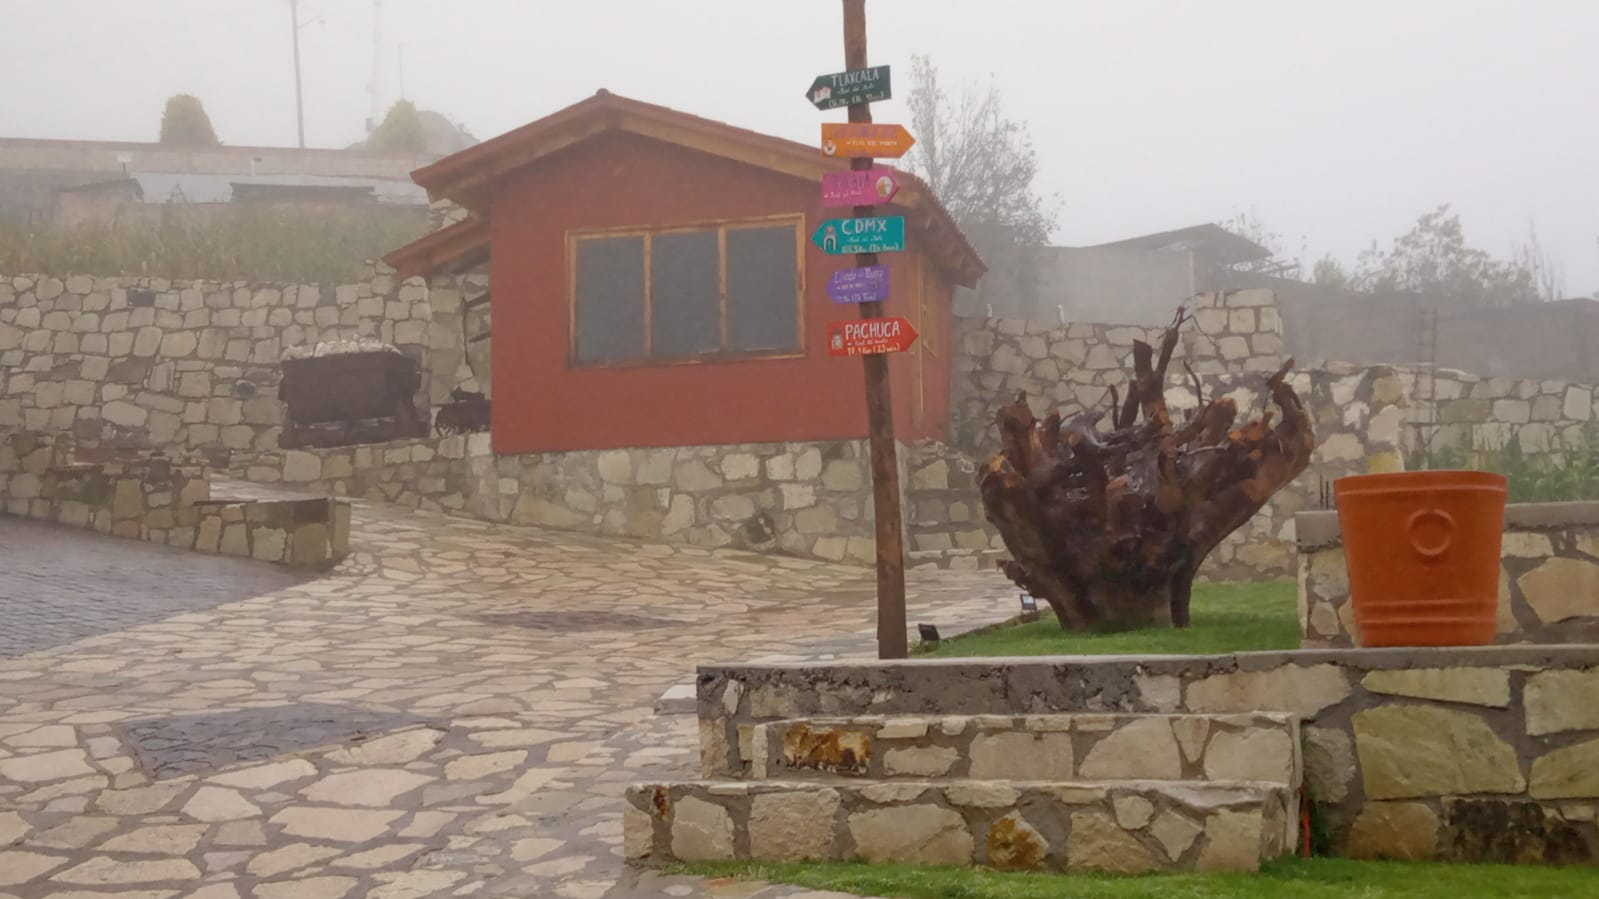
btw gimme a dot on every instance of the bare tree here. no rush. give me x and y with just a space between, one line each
980 163
1250 226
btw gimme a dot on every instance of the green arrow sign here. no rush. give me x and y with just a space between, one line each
847 88
878 234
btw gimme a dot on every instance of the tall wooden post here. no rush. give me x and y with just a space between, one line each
891 641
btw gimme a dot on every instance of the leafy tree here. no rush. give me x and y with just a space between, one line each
400 131
979 162
185 124
1329 272
1433 258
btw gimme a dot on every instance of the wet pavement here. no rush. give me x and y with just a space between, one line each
453 711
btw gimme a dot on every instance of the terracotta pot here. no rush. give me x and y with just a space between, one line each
1422 548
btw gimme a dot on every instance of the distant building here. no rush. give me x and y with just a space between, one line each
33 172
142 195
1140 280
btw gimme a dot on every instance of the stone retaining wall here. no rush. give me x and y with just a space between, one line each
1548 580
1481 753
158 363
807 499
164 501
1090 747
1129 827
1456 410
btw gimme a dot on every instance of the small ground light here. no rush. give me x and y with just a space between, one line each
1029 607
929 633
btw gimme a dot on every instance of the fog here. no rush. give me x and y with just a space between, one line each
1335 123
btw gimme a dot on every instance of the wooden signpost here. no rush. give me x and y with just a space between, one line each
874 336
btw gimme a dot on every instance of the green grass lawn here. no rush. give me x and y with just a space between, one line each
1288 878
1227 617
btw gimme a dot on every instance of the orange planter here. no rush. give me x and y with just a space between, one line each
1422 549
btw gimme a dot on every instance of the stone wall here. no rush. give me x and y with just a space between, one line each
1233 343
1031 826
1073 366
1052 748
161 500
1548 579
1455 410
808 499
152 362
1480 753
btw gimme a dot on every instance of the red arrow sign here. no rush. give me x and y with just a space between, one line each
869 336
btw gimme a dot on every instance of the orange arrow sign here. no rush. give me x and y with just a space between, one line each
851 141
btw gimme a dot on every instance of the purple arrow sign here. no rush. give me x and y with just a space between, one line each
859 285
859 187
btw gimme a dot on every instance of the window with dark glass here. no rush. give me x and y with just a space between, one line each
687 294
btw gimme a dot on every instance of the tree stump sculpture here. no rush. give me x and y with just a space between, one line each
1110 527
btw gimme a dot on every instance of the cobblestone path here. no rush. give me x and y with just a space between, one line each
454 711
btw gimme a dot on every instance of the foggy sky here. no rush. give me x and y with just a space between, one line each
1336 122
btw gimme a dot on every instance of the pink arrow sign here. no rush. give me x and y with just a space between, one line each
859 188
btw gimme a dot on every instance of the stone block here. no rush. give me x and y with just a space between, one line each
1302 689
843 475
310 545
921 761
1561 588
1013 844
1020 755
1144 748
695 477
1420 750
1096 843
1560 701
1475 686
740 466
793 826
1255 753
269 544
615 467
701 831
1233 841
912 834
1571 772
1578 403
301 467
235 540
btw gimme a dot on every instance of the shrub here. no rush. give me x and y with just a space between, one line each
1572 474
185 124
400 132
239 243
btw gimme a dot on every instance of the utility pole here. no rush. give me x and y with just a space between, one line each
299 94
891 640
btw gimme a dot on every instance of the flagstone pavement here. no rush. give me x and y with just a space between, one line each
453 711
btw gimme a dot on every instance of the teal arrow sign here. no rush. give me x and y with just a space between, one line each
878 234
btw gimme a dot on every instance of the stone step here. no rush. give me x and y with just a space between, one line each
954 559
1127 827
1060 747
